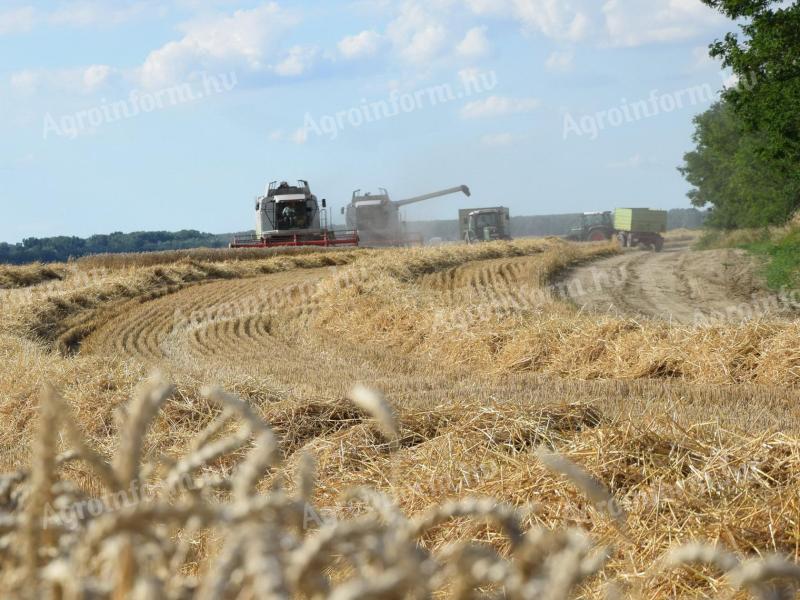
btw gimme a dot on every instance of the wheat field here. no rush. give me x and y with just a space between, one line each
411 423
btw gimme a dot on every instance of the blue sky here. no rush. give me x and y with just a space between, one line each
143 114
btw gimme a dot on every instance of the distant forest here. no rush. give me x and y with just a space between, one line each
61 249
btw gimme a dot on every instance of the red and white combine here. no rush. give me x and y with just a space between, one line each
290 215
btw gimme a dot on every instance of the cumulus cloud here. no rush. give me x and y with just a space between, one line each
24 81
299 136
702 60
298 60
611 22
17 20
632 23
79 81
245 40
498 140
560 61
362 45
636 161
96 76
558 19
498 106
418 33
475 44
100 13
75 13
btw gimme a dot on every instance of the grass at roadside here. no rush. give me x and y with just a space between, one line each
780 246
783 253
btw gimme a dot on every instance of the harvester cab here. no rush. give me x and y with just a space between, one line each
287 208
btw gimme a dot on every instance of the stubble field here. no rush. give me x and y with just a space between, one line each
507 443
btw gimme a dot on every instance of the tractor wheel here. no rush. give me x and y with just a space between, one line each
597 236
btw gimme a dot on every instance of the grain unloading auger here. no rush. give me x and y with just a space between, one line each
376 217
290 215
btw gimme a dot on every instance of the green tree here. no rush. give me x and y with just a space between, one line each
765 59
747 160
732 169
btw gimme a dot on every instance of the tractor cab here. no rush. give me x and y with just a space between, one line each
488 224
594 226
597 219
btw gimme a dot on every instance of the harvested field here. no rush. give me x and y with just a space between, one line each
604 441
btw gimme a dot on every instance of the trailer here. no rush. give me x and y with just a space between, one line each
631 226
640 227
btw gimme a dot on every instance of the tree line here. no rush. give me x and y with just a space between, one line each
62 248
746 163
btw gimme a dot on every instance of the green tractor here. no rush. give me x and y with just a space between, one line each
594 227
485 224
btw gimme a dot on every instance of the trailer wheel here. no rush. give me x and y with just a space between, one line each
659 245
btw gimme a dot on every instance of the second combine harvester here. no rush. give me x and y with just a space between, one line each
377 219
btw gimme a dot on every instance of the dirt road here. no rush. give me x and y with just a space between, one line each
678 285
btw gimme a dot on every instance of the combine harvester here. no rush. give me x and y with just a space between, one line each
376 217
290 215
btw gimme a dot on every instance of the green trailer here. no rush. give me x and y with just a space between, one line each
642 220
640 227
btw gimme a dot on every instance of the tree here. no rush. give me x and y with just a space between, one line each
732 170
747 160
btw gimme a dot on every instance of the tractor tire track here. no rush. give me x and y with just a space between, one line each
680 286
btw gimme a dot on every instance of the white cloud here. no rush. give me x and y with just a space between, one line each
497 140
17 20
76 13
97 13
297 61
475 44
417 33
25 81
636 161
300 136
79 81
560 61
95 76
362 45
244 40
425 44
558 19
702 60
609 22
498 106
633 23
